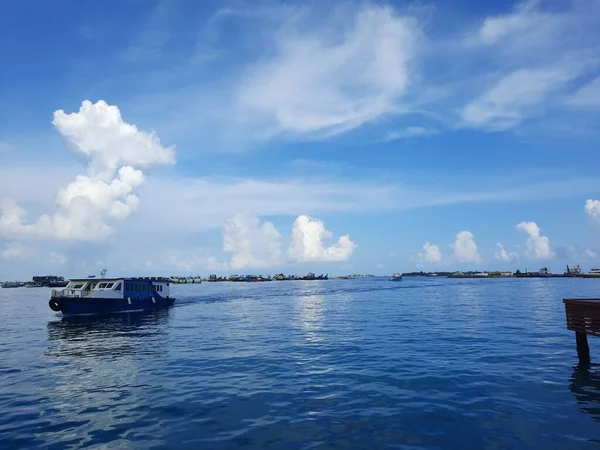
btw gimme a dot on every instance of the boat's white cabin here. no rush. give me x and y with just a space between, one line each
115 287
82 287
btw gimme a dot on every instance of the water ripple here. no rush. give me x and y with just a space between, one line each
338 364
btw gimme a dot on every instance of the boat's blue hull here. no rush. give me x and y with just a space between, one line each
77 305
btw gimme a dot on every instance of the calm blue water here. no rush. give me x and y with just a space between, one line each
424 363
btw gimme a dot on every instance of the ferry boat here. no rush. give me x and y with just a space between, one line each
396 277
108 295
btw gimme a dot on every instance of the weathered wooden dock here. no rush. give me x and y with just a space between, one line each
583 317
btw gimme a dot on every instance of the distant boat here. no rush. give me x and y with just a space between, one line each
12 284
396 277
50 281
311 276
255 279
594 273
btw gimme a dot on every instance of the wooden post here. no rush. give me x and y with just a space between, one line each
583 349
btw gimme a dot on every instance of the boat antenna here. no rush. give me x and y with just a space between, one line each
102 273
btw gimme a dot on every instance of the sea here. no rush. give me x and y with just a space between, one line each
425 363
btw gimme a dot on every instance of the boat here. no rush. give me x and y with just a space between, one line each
573 271
311 276
396 277
50 281
593 273
12 284
255 279
109 295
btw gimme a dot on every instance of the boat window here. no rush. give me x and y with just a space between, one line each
77 286
118 288
102 285
110 285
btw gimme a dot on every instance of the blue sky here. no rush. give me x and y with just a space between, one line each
184 137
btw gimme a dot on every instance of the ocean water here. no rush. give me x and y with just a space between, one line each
420 364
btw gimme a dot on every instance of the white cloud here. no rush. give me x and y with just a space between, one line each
590 254
513 98
379 266
465 248
527 24
112 149
409 132
251 243
16 250
307 242
431 253
332 79
592 208
502 255
587 96
537 246
98 133
528 60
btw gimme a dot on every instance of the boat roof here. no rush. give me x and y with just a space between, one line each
95 279
113 279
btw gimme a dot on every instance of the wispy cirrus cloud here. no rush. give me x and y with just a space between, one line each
588 96
535 57
331 80
306 78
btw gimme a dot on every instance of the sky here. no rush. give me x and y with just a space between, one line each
154 137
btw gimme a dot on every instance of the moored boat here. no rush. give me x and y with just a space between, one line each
52 281
396 277
311 276
108 295
255 279
593 273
